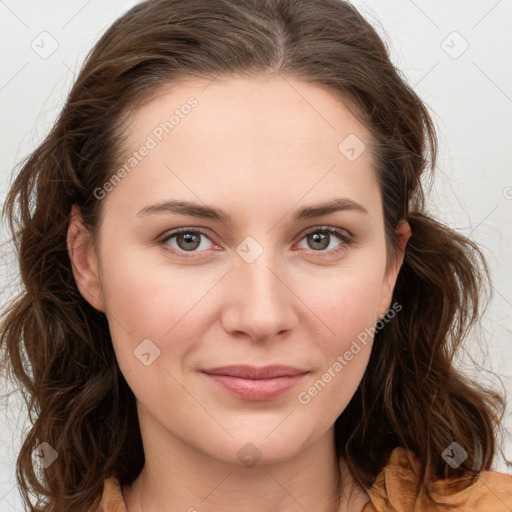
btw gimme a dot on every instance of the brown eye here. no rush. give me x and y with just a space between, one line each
318 241
188 240
327 240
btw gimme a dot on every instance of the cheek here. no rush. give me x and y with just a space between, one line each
346 301
146 299
347 306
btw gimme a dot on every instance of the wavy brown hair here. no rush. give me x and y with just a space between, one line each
58 348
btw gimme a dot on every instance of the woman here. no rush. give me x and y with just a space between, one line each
234 296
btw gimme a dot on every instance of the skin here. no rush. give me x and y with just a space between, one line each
260 149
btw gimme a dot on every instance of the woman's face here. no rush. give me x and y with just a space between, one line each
282 261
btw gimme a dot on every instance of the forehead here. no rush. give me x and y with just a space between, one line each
269 136
254 110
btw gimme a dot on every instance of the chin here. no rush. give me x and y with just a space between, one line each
257 448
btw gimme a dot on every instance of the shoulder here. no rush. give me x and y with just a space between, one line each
395 488
112 497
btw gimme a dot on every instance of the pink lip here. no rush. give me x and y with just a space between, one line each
251 383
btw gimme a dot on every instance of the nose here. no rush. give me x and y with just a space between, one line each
261 304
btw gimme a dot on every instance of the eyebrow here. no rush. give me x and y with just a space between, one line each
210 212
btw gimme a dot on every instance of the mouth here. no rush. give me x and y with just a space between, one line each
256 384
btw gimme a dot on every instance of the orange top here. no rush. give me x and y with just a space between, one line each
394 491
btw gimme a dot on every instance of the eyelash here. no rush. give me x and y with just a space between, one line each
345 238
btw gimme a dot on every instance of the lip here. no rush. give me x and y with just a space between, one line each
257 384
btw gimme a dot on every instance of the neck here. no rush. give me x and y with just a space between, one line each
179 478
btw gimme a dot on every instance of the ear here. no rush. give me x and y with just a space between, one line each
403 233
84 260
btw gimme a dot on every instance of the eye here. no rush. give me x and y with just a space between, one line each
320 238
192 240
187 240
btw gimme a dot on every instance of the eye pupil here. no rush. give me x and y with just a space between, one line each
188 238
319 238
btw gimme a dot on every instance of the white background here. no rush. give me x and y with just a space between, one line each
470 98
